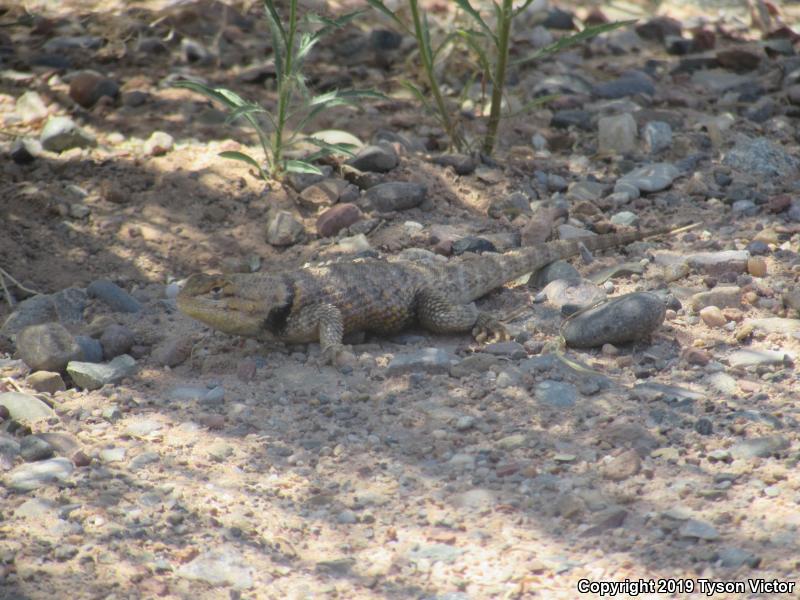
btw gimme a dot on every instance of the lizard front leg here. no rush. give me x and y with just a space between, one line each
320 321
439 314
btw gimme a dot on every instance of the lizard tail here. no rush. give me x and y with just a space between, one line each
479 275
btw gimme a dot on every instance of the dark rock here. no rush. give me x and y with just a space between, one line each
659 28
560 269
87 87
91 349
116 340
377 159
562 119
172 351
472 244
114 296
559 19
739 58
627 85
462 164
25 150
396 195
33 448
626 319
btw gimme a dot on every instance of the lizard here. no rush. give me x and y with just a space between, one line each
324 303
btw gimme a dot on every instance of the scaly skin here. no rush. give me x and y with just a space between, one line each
324 303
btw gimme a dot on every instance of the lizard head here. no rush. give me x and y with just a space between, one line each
237 304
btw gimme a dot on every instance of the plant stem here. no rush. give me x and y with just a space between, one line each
427 64
284 92
499 79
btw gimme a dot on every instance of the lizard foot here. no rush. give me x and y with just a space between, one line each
489 329
337 356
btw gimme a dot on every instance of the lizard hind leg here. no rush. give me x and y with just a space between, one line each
439 314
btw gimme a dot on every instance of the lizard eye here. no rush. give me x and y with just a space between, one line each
216 290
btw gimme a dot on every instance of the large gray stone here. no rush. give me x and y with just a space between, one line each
47 347
25 408
91 376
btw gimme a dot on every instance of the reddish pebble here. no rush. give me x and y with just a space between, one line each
336 218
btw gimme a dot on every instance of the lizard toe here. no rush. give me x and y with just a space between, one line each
488 329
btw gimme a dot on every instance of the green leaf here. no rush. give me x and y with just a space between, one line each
245 158
345 149
532 104
483 60
336 23
417 93
301 166
381 7
244 112
275 20
209 92
574 39
467 8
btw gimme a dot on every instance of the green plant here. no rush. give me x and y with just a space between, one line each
490 47
295 106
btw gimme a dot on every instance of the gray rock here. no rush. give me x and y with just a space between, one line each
511 206
46 382
761 447
25 408
222 566
91 349
462 164
69 304
622 466
396 195
617 134
759 156
33 311
173 351
556 394
734 558
628 189
31 476
61 133
379 158
657 136
560 269
33 448
116 340
514 350
626 319
47 347
66 43
717 263
590 191
651 178
283 229
625 218
752 358
477 498
426 360
694 529
92 376
114 296
745 208
30 107
721 296
300 181
142 427
774 325
627 85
